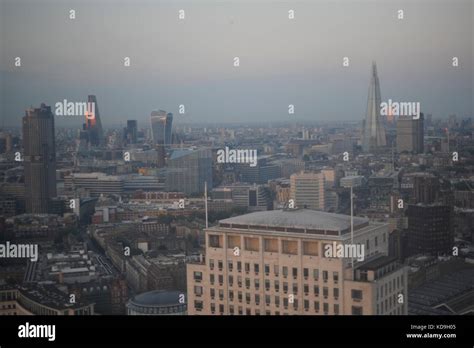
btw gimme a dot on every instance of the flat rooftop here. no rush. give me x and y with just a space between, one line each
295 220
429 297
378 263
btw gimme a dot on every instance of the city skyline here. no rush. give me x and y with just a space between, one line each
307 159
290 67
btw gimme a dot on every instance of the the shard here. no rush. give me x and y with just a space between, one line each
374 132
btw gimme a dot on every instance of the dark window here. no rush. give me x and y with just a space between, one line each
356 310
214 241
198 276
356 295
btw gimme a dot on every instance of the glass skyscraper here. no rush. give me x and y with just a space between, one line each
93 125
161 125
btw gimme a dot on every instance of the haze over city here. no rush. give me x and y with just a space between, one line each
191 62
163 162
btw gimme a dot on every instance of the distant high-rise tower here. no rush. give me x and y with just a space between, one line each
374 133
131 131
39 159
410 134
161 125
93 125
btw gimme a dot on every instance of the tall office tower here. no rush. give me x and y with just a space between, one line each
307 190
430 229
282 267
131 131
93 125
428 121
188 169
161 125
6 142
374 132
168 129
39 159
410 133
161 156
425 188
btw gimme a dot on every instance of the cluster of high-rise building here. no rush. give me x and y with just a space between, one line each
409 128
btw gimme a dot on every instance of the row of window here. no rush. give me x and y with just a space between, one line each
316 308
256 284
389 303
396 311
198 291
376 241
248 283
272 245
275 268
310 248
387 288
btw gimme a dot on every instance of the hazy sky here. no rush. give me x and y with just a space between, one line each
190 62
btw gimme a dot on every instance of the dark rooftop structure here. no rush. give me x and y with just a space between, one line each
158 298
49 295
450 294
158 302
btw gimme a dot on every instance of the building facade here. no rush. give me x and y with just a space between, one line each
39 159
275 263
93 131
188 170
410 133
307 190
161 126
40 300
431 228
